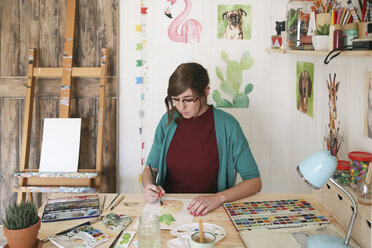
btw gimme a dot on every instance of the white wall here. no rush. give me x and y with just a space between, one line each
279 135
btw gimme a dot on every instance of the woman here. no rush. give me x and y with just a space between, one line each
198 148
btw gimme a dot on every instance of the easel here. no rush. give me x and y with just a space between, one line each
85 180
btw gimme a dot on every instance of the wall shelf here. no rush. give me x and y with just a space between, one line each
361 53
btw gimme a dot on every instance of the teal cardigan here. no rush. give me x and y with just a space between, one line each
233 150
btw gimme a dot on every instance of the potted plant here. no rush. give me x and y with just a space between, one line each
21 225
321 37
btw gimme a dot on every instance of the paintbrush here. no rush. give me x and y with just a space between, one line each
154 179
201 232
116 239
103 204
117 203
113 200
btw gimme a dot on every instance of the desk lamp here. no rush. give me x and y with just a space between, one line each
316 170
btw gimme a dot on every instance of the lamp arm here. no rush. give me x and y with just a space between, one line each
355 209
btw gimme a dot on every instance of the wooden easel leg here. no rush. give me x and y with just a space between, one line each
20 196
101 118
29 105
29 197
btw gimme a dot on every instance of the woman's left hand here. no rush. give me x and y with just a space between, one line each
201 205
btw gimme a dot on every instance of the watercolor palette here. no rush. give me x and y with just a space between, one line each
273 214
266 207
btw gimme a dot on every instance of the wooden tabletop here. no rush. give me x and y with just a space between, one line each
133 204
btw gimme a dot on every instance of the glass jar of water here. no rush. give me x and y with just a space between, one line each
149 231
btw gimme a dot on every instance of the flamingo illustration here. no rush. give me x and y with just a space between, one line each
190 29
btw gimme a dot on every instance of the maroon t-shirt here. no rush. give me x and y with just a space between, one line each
192 158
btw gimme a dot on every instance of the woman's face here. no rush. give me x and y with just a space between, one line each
187 104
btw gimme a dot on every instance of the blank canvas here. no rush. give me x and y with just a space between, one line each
60 145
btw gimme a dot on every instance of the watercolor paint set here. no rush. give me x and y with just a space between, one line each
68 208
273 214
85 236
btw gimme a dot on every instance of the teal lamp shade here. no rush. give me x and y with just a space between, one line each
316 169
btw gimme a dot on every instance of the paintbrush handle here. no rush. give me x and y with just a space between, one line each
113 201
103 204
154 179
153 176
117 203
116 239
201 232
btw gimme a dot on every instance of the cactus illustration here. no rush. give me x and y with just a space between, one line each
231 85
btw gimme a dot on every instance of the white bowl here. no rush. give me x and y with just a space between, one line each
321 42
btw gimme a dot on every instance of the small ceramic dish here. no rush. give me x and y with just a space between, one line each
185 231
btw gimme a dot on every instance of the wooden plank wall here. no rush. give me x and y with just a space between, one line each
26 24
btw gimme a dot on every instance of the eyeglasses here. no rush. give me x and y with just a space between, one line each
186 101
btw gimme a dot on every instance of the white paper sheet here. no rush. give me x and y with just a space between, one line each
60 145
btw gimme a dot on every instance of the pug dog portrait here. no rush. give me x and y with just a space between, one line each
234 29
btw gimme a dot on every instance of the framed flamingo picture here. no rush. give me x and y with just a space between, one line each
184 20
234 22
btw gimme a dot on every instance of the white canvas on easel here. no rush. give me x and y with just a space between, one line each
60 145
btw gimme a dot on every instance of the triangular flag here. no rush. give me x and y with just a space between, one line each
139 80
143 10
139 63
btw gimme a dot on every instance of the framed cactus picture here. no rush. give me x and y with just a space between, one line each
231 86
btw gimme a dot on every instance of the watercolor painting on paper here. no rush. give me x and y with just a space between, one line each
183 28
234 22
305 87
233 94
172 213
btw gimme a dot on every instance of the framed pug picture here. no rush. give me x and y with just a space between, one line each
234 22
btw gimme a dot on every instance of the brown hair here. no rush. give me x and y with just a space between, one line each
187 76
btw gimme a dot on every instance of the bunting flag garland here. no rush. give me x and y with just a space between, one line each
142 79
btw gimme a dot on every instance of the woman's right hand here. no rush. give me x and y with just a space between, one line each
153 193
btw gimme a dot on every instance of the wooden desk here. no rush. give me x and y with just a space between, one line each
133 204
